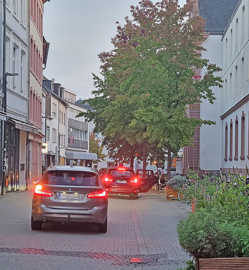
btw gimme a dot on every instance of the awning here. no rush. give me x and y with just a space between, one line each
81 155
24 126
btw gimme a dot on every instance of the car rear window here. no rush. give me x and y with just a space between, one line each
69 178
118 173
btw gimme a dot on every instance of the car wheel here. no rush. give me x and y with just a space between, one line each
103 227
134 196
36 225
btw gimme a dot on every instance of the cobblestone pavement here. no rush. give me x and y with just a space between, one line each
141 235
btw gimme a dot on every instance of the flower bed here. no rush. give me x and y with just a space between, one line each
219 226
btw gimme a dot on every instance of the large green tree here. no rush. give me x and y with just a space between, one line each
147 81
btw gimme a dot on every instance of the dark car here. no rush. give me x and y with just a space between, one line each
121 180
69 194
147 179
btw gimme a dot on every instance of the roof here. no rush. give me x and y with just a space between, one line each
71 168
81 103
217 14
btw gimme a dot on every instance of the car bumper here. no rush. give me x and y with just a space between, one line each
123 190
95 215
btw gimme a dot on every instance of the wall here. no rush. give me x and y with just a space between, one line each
235 99
210 138
17 39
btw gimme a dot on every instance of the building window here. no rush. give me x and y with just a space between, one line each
47 134
22 68
242 156
231 141
54 110
22 11
54 135
226 142
236 141
15 6
14 65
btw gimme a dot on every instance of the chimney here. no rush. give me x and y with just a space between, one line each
57 88
62 92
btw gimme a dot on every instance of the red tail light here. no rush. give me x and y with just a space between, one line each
134 181
39 191
102 194
107 179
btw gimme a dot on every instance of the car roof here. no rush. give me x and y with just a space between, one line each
72 168
117 169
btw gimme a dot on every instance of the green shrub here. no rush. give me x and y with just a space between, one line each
190 266
205 234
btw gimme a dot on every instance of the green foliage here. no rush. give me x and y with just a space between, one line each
95 146
147 79
190 265
204 234
219 227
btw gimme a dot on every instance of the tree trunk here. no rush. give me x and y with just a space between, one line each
169 164
132 162
144 163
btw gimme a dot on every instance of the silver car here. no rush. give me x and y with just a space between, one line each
69 194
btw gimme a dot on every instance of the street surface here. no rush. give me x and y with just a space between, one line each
143 229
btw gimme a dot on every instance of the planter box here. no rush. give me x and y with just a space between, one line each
224 263
172 194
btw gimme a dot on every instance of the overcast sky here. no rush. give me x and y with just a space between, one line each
78 30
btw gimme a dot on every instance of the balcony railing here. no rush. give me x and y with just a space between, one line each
75 143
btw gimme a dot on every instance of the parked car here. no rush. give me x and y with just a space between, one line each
69 194
147 179
121 180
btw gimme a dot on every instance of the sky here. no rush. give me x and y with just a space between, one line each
78 31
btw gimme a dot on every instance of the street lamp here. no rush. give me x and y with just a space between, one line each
45 135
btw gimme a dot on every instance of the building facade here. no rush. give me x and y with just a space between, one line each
205 153
55 124
235 98
77 151
36 45
15 69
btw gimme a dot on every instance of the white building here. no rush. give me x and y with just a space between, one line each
55 124
17 57
206 152
235 95
78 133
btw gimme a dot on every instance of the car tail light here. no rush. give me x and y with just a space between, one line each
107 179
121 169
134 181
40 191
102 194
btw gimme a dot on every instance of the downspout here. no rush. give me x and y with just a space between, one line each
28 99
4 107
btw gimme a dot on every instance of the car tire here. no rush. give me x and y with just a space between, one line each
134 196
36 225
103 227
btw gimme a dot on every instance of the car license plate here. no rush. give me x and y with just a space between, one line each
121 181
69 196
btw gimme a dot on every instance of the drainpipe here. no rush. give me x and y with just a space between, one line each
3 144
